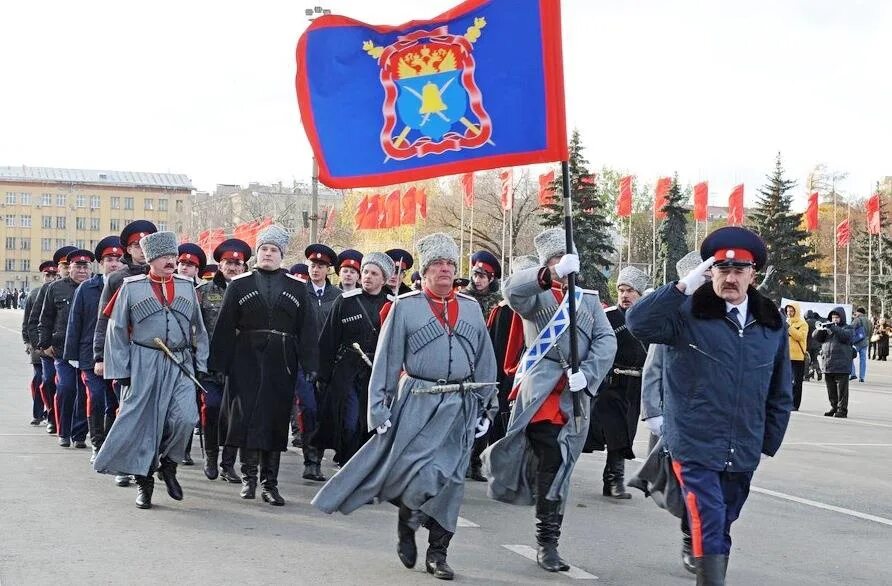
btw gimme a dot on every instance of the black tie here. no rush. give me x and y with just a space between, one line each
733 315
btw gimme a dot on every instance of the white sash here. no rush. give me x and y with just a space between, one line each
547 338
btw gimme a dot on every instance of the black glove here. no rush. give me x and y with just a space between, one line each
311 376
321 385
124 382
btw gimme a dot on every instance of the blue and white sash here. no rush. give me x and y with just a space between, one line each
547 338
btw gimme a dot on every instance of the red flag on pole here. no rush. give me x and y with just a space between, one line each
843 233
373 208
624 202
359 216
505 177
203 239
701 201
663 184
873 214
422 203
216 238
735 206
811 213
590 179
392 210
407 205
546 192
467 187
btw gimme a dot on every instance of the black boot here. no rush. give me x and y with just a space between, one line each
312 463
406 525
168 473
437 544
687 552
187 458
269 478
614 475
548 532
227 465
145 485
210 464
711 570
250 459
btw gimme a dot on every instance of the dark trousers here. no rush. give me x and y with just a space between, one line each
37 407
798 374
48 388
211 401
71 402
615 413
543 437
100 397
714 500
838 391
305 404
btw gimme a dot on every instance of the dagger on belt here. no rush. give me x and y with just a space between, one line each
183 369
359 351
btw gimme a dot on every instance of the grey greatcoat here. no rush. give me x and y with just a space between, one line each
158 409
421 460
509 463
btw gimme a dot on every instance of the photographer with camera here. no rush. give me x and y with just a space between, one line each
835 337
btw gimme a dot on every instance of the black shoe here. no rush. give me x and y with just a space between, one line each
36 422
228 474
476 473
439 568
168 473
80 444
122 480
313 471
548 532
687 553
860 380
297 442
64 442
271 495
145 486
51 428
841 414
187 460
437 546
614 476
830 413
249 489
406 549
711 570
210 466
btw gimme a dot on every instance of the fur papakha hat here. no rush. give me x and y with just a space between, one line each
688 263
158 244
526 261
633 277
275 235
380 260
436 246
550 243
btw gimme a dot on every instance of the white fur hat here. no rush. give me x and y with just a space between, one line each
526 261
633 277
380 260
158 244
275 235
437 246
550 243
688 263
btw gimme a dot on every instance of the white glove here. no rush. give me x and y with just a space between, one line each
74 363
655 424
697 277
569 263
577 381
382 429
482 426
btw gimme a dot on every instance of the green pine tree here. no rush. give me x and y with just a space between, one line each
781 229
591 227
672 235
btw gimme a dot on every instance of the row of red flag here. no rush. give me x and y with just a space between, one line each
397 209
209 240
844 228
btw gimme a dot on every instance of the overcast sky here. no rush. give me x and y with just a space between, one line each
711 89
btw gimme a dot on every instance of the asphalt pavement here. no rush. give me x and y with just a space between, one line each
819 513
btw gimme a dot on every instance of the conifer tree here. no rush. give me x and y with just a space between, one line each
672 235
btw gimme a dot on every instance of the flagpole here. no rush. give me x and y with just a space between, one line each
461 232
869 273
471 236
848 246
835 244
653 224
629 257
571 281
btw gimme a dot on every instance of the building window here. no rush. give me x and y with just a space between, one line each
179 205
60 242
60 222
47 221
94 224
80 243
10 264
46 199
26 265
80 223
26 220
81 200
25 198
10 243
61 199
10 220
95 202
149 204
162 226
114 225
115 202
162 205
26 244
46 244
10 197
128 203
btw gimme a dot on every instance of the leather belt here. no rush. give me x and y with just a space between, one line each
439 381
633 372
268 332
153 347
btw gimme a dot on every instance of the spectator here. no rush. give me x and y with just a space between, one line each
836 339
862 327
883 332
797 330
813 346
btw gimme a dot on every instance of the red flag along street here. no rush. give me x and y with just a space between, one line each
873 214
843 233
811 213
624 202
407 208
701 201
506 179
662 189
735 206
546 190
374 212
467 186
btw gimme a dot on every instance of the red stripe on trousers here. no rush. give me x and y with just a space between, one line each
693 511
87 393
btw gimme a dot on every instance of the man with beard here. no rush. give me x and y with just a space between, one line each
79 341
265 326
344 368
617 405
727 385
232 256
534 461
158 410
349 266
38 409
47 362
71 394
433 343
402 262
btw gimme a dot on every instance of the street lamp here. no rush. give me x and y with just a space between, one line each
312 14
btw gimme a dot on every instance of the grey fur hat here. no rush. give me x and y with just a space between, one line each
436 246
158 244
633 277
688 263
380 260
275 235
550 243
526 261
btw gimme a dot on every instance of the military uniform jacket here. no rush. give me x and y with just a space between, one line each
33 326
54 315
487 299
507 461
82 322
265 330
422 458
210 298
322 305
112 283
27 332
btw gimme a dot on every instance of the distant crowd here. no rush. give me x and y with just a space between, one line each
12 298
